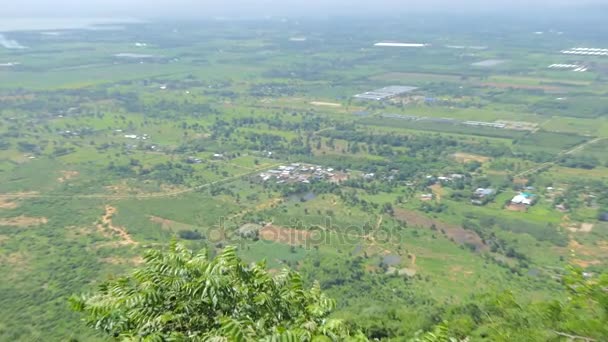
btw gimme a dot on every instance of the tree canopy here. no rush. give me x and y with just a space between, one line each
180 295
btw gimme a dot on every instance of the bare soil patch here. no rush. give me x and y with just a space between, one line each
438 191
520 181
118 189
454 232
171 225
586 255
16 259
462 157
586 263
603 245
372 248
108 229
67 175
339 177
515 207
283 235
582 228
271 203
457 270
162 221
7 204
19 264
135 261
578 248
326 104
18 195
23 221
586 227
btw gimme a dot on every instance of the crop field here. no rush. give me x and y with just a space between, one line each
232 134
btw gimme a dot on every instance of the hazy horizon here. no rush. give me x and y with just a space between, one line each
245 8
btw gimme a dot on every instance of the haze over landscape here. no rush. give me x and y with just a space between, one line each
248 8
420 171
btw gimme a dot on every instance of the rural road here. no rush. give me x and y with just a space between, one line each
583 145
563 153
143 196
323 130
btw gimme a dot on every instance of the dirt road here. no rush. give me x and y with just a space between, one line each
561 154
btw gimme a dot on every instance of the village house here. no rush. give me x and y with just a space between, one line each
484 192
426 197
482 196
524 198
193 160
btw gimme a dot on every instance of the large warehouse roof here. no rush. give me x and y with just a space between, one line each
385 93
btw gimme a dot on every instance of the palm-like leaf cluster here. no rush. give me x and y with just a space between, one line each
182 296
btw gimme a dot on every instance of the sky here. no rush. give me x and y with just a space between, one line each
240 8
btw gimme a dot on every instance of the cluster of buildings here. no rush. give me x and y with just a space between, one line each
446 178
573 67
196 160
385 93
83 131
521 201
586 51
518 125
136 137
502 124
397 44
302 173
450 178
193 160
485 124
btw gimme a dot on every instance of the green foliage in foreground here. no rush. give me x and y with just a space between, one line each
580 315
182 296
179 295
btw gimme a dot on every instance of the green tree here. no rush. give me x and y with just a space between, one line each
440 333
178 295
584 313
